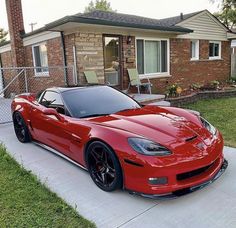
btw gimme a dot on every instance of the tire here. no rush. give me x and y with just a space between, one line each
103 166
21 129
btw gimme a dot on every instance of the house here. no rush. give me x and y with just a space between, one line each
186 49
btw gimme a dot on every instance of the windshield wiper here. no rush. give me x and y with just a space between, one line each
94 115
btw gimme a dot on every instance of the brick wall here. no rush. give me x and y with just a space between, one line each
6 59
127 58
56 75
186 72
16 29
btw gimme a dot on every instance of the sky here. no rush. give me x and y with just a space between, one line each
45 11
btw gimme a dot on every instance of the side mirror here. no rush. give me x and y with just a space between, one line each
53 112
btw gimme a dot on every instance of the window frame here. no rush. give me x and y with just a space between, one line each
39 74
197 50
54 106
157 74
215 57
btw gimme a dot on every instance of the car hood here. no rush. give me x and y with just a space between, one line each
156 124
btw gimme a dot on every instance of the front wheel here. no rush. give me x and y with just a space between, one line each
103 166
21 129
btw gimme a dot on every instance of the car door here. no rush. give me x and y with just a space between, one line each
48 129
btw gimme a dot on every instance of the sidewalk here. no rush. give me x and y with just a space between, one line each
211 207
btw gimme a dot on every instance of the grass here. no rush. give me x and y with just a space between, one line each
222 114
25 202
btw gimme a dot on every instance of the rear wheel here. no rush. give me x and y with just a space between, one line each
103 166
21 129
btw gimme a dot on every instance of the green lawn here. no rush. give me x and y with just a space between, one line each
222 114
24 202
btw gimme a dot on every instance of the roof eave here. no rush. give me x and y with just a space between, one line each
83 20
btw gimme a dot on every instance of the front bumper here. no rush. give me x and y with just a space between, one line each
188 190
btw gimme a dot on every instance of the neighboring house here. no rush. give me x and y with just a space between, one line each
187 49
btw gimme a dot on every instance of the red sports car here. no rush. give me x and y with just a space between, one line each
148 150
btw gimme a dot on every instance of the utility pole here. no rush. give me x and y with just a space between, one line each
32 26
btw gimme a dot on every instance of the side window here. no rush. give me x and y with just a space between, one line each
40 59
53 100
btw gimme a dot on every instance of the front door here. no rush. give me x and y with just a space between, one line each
112 60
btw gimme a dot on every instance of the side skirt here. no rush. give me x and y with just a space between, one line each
59 154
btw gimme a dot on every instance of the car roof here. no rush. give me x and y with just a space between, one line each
70 88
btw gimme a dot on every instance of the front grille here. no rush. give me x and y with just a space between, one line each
193 173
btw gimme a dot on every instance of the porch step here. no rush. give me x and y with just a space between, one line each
147 98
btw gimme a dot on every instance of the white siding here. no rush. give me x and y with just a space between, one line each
205 27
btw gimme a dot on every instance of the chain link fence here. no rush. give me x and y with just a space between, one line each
14 81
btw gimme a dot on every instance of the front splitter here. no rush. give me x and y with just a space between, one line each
185 191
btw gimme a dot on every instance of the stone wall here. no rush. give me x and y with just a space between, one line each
89 47
180 101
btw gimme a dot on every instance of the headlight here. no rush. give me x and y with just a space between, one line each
208 126
147 147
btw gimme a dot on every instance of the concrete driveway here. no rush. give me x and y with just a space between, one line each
211 207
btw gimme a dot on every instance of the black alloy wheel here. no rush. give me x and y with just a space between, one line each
21 130
103 166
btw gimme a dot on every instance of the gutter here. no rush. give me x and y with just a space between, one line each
64 58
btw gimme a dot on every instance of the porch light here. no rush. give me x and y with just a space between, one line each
129 39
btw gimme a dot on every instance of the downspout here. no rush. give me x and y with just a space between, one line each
64 58
76 79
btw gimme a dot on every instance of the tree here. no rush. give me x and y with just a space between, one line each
3 35
227 13
103 5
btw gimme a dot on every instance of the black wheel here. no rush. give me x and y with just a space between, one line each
103 166
21 130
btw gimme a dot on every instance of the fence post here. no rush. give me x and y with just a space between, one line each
26 82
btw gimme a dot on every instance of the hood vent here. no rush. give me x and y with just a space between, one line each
191 138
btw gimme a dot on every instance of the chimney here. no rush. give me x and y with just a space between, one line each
181 16
16 30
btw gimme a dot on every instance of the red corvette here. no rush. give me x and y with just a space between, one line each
148 150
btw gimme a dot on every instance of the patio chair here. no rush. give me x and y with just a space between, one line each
135 81
91 77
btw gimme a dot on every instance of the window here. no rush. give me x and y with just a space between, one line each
214 50
40 59
52 99
152 56
194 49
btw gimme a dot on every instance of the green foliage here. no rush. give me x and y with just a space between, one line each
172 90
103 5
215 83
233 79
227 13
196 86
25 202
3 35
221 113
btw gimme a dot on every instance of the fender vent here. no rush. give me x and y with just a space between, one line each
191 138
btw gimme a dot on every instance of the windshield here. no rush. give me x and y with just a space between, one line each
97 101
